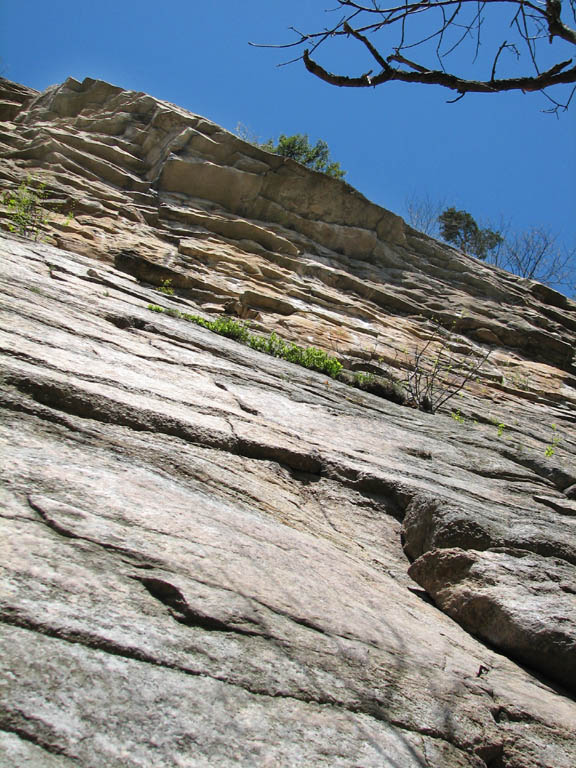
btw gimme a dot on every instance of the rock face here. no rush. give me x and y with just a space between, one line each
214 557
522 603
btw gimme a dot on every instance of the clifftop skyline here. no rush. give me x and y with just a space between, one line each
215 556
496 157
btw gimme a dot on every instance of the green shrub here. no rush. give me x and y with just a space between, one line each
26 211
435 373
166 287
308 357
299 148
25 208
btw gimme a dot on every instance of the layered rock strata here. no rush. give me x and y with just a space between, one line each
210 554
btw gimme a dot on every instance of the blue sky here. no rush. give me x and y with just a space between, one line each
495 156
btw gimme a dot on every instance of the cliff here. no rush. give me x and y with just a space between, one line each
213 556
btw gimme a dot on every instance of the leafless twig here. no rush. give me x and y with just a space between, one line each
435 29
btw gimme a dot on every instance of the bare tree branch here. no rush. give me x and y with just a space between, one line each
437 28
553 76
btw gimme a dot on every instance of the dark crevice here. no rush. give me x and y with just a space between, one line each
391 496
418 453
173 598
492 755
247 408
306 478
124 322
504 715
63 398
8 724
15 405
293 460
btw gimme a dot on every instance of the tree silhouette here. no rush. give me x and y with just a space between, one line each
460 228
315 156
514 44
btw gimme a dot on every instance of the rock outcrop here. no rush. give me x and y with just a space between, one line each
214 557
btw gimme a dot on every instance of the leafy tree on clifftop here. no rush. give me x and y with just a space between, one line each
315 156
534 253
460 228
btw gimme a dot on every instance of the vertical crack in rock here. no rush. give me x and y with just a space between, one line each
512 599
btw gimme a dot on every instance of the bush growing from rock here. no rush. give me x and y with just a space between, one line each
25 209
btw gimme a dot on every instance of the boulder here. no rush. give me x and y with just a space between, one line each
521 603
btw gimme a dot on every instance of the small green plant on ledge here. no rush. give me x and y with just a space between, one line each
25 208
308 357
554 443
457 416
166 287
500 427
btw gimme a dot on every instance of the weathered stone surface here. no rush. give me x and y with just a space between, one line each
119 158
205 551
523 604
203 538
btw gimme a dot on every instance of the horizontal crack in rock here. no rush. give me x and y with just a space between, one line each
100 408
19 724
173 598
366 707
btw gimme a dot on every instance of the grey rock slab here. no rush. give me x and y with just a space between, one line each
100 709
113 592
523 604
158 570
18 752
186 520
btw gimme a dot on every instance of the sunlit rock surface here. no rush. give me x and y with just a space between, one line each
206 550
